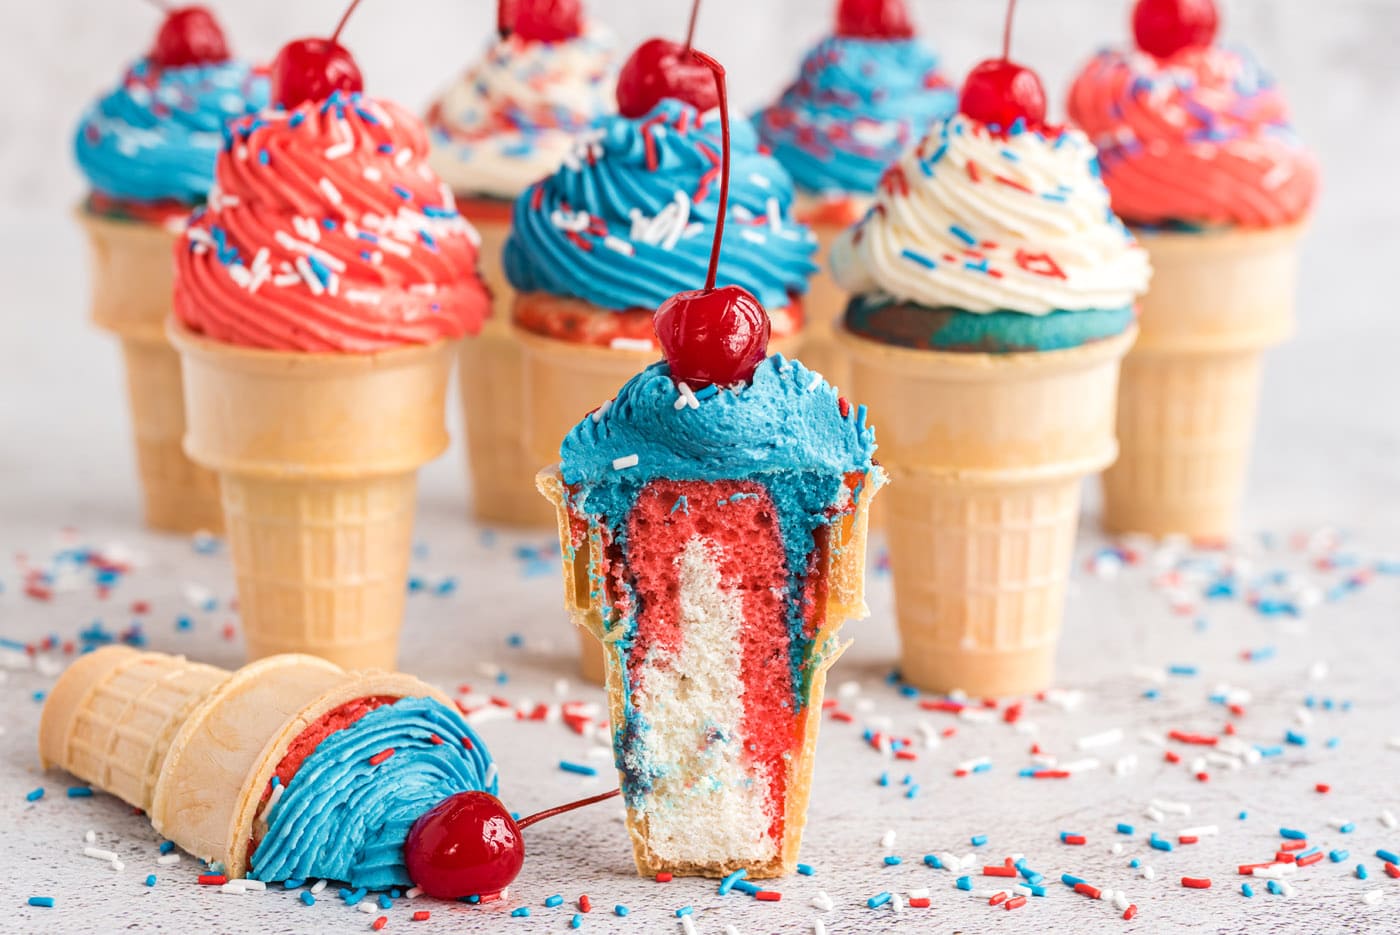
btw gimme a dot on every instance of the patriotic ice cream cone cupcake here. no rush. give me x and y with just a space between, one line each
863 96
713 520
1200 158
507 121
319 300
993 298
147 149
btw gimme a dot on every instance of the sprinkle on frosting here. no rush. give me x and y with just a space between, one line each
511 118
327 231
155 137
1201 138
347 809
986 222
855 107
626 222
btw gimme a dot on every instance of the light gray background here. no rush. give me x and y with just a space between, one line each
1328 453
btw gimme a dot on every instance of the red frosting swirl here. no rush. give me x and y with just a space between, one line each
327 232
1202 138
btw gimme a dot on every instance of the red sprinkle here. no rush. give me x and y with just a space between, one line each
1084 889
1283 857
1323 787
1187 839
1392 870
584 903
664 877
379 923
1015 902
1073 839
843 716
997 870
1293 846
422 915
1247 870
919 902
905 755
1130 912
212 879
768 896
1197 883
997 900
1203 777
1310 859
1172 756
844 405
1182 736
381 756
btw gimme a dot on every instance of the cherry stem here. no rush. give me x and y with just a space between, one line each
561 809
690 32
1006 31
344 18
717 70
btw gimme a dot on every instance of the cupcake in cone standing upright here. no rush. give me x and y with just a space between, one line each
993 300
713 520
864 95
1201 160
318 304
508 121
148 149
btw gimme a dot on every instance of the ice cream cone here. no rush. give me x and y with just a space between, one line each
986 454
488 380
824 305
317 456
192 745
1189 388
843 558
131 294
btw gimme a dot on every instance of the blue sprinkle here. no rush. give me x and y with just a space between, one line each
1275 887
933 861
893 861
805 869
1160 843
1151 694
582 769
684 911
307 899
293 884
1337 856
1181 670
913 792
1293 834
1307 853
1125 828
1332 742
521 912
744 886
916 257
39 696
555 900
167 846
1274 750
1135 863
962 235
355 897
1242 816
402 192
79 792
620 910
728 882
576 922
1387 856
875 902
150 879
1347 828
385 902
1361 872
1070 880
1247 890
978 840
1295 738
43 902
35 795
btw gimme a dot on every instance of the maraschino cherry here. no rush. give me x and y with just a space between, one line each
873 19
312 69
661 68
540 20
1165 27
189 35
998 92
468 845
714 335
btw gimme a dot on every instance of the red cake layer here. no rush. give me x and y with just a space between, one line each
739 525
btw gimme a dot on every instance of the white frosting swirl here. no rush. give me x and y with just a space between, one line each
511 118
982 223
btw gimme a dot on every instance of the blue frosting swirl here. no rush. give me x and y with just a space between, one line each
156 136
627 221
855 107
342 818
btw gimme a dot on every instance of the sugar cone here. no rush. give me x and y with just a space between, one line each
986 453
823 307
489 381
1190 387
131 290
844 561
204 741
317 455
563 381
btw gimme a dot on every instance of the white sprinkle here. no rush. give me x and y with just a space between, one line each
1174 808
99 854
165 860
1371 897
372 174
308 276
688 925
1318 670
1304 717
1275 871
729 928
329 190
1153 738
89 836
1104 739
1388 818
362 296
368 907
233 886
1286 889
1116 849
602 410
490 775
920 893
1338 823
1081 766
402 156
1200 831
319 885
624 462
1148 873
631 344
949 860
250 884
1125 765
887 840
822 901
896 902
1120 900
819 927
617 244
977 715
117 865
970 765
753 236
759 180
815 382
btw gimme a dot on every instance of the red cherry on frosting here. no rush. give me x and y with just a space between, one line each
1165 27
189 36
999 92
541 20
660 68
466 845
310 70
712 336
873 19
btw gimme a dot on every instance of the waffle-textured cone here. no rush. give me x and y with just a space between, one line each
823 307
488 378
131 289
986 453
845 600
317 456
562 381
1189 390
204 742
